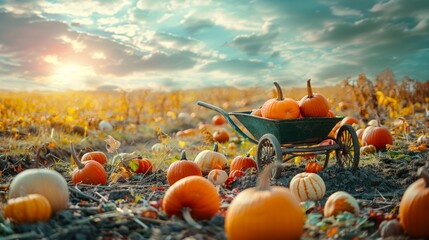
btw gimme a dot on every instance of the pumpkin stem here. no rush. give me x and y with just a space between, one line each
263 182
186 213
215 147
183 156
75 157
422 173
309 90
279 91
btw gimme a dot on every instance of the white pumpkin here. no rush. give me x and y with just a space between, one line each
208 160
46 182
217 176
159 147
307 186
339 202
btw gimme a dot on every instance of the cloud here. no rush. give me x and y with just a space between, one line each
30 39
193 25
342 11
237 66
254 44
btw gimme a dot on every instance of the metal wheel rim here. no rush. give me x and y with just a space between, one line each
348 154
269 151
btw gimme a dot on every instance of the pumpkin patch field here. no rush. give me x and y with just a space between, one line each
145 164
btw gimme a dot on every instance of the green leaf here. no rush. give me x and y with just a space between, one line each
134 165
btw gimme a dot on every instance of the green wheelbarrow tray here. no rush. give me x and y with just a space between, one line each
309 130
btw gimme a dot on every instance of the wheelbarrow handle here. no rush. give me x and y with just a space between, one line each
228 118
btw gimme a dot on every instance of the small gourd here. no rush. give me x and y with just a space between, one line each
307 186
313 167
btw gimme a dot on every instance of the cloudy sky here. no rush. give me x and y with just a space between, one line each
172 44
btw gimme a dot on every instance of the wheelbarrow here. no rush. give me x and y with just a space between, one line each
282 140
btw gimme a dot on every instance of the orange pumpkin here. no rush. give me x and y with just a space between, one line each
349 120
280 108
183 168
47 182
314 104
218 120
331 113
236 173
221 135
377 136
313 167
307 186
28 209
89 172
254 206
256 112
243 163
98 156
414 207
339 202
195 193
145 165
208 160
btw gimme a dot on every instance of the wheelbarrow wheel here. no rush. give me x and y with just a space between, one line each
269 151
348 152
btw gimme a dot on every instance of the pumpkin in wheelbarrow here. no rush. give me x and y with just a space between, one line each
280 108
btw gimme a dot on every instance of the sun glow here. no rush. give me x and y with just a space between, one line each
71 76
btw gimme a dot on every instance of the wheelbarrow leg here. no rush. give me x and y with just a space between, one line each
268 151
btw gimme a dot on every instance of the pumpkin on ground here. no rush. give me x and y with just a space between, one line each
307 186
265 212
378 136
28 209
218 120
313 104
46 182
313 167
98 156
182 168
414 207
193 194
236 173
390 228
144 165
221 135
208 160
339 202
89 172
280 108
243 163
217 176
